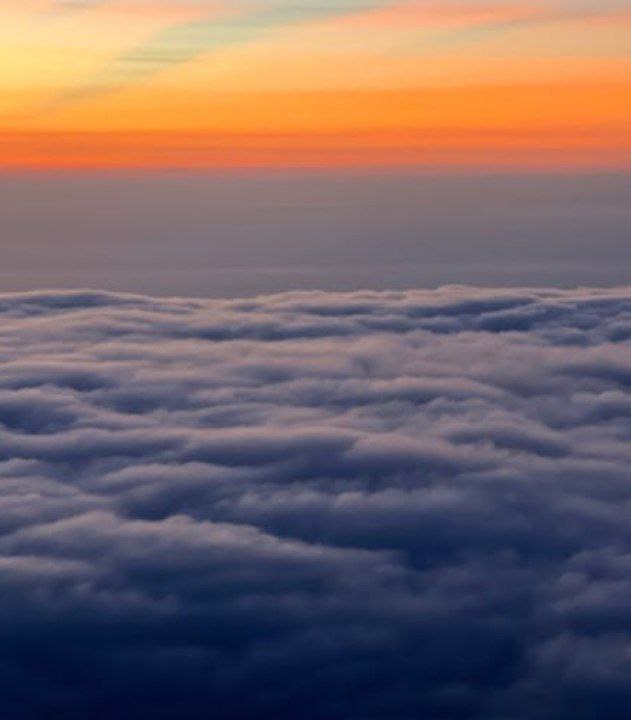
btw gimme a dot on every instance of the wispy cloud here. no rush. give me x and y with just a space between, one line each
516 16
187 41
66 7
251 20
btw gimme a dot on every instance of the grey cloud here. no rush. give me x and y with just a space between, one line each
370 505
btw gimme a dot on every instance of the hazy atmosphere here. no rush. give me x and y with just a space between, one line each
242 234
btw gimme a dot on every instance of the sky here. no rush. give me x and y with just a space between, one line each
219 234
230 147
216 84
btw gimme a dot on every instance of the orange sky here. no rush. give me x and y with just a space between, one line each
267 83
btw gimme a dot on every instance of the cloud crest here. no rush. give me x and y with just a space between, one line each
368 505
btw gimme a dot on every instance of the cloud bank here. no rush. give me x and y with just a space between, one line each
312 505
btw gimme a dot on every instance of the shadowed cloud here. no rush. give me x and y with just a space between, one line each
316 505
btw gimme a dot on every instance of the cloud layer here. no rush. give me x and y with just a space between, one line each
372 505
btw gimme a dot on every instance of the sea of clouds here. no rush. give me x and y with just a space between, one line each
316 506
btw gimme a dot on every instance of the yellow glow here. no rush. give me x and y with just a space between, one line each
453 82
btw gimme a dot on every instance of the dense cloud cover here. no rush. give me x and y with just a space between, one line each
377 505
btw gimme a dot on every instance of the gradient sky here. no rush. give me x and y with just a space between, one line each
315 83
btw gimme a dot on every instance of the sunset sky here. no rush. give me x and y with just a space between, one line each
320 83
